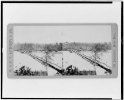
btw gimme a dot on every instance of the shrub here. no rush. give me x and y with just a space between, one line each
26 71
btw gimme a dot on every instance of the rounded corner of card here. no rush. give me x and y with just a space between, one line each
10 25
114 25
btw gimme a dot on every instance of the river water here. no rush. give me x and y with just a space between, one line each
62 59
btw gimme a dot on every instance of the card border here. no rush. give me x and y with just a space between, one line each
114 29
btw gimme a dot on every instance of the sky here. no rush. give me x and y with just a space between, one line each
63 33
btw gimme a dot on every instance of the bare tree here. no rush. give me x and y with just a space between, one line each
47 56
97 48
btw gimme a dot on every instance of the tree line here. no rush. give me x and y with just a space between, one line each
63 46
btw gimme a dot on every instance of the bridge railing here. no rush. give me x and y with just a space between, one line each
41 60
92 61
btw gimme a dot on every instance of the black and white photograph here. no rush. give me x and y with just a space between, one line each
62 50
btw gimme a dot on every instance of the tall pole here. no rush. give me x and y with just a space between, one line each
62 49
62 60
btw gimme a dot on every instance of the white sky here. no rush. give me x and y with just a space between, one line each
53 34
